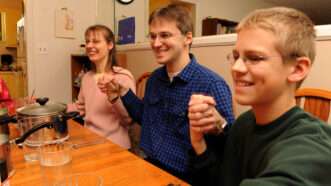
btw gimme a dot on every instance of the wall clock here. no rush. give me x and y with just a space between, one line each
125 1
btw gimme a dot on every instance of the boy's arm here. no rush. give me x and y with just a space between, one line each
296 161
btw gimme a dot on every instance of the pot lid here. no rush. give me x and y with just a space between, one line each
42 108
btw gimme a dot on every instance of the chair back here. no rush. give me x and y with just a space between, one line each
135 128
141 84
314 101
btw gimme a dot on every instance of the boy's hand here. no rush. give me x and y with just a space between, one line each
204 118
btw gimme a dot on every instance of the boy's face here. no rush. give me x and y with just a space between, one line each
259 74
167 42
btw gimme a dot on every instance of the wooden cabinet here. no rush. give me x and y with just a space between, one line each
213 26
81 64
14 82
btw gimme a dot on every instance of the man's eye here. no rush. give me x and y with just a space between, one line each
165 35
152 36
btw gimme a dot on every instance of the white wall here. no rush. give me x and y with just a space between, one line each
231 10
49 74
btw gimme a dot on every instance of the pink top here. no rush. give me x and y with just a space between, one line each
102 117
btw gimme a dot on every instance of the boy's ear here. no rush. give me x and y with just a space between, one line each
300 69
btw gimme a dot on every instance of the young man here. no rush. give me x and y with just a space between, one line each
163 111
276 142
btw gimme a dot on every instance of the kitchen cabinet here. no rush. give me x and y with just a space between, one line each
213 26
81 64
15 83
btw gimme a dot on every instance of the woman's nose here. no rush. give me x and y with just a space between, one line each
239 66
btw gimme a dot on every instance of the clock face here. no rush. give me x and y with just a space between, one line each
125 1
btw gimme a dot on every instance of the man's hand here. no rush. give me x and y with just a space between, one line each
204 118
111 87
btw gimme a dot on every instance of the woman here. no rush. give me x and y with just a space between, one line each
107 118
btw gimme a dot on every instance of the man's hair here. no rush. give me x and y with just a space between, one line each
294 29
174 12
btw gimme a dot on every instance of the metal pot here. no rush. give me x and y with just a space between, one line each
43 122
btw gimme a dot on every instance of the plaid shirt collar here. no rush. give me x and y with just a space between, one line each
185 75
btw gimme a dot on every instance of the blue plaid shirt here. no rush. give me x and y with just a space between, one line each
163 111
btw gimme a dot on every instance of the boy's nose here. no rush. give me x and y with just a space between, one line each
239 66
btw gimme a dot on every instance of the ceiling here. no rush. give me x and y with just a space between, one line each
318 10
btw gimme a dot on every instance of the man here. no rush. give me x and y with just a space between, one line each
163 111
276 142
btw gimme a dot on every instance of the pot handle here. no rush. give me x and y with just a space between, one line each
21 139
7 119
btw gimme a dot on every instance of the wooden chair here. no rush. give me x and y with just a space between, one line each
135 129
141 84
316 101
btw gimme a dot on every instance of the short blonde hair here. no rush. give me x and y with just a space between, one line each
294 29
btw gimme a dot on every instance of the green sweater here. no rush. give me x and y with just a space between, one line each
295 149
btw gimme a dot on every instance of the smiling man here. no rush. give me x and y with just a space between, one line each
163 112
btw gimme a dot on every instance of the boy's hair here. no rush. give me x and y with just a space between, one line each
294 29
174 12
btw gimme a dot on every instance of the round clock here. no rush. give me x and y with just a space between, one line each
125 1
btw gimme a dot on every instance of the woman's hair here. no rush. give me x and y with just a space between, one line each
295 31
109 37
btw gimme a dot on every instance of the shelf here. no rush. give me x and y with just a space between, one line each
214 26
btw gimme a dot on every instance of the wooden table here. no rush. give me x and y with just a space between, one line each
116 165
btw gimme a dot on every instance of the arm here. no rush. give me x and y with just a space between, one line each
128 81
298 160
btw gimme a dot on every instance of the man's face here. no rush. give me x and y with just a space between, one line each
167 42
260 77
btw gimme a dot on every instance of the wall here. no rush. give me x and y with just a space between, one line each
140 60
49 71
234 10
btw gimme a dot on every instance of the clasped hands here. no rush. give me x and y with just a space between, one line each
204 118
111 87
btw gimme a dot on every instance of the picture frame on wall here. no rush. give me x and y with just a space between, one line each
64 23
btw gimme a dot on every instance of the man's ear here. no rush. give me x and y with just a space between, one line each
189 38
300 69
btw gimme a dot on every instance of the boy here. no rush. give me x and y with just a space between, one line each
163 111
276 142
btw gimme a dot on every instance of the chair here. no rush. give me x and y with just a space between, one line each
316 101
141 84
135 129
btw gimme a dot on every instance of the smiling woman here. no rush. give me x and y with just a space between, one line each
2 26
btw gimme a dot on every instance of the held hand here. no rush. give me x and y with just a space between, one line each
203 118
111 87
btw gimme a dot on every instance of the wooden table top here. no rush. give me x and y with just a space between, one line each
116 165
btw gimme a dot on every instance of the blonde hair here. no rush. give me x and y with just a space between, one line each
294 29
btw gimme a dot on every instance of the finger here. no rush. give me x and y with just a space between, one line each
202 107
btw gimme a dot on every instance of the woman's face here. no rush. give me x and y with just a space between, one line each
96 46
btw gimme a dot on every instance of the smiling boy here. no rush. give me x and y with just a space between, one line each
276 142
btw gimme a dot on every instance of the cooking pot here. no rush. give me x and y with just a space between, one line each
43 122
